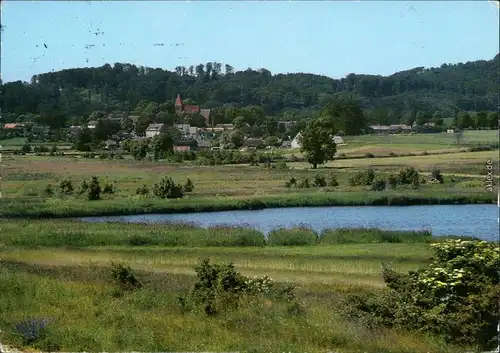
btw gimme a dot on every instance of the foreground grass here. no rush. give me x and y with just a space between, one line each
150 319
57 270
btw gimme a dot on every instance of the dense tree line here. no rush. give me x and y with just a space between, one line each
57 97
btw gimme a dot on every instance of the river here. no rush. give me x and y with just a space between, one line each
473 220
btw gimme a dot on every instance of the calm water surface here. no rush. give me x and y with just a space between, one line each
473 220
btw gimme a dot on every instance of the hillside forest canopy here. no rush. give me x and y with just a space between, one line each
256 97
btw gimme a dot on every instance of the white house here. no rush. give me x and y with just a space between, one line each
295 142
91 124
153 130
339 141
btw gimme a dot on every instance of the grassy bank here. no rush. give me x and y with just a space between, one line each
73 207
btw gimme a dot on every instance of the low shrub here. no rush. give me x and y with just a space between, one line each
220 288
94 190
319 180
436 174
408 176
189 186
142 190
124 277
48 191
66 187
332 181
167 188
392 180
363 178
304 184
82 187
109 189
378 184
291 182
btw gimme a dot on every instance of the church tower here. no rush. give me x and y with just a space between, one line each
178 105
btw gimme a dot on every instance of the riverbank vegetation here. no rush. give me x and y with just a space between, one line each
311 290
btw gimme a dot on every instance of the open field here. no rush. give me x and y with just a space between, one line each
226 187
63 277
408 144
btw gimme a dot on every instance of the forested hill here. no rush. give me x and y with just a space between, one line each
472 86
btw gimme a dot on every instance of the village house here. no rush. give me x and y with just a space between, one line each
13 126
390 128
154 130
252 143
203 143
182 148
286 125
110 144
339 141
92 124
224 126
40 129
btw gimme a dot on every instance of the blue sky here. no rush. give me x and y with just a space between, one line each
330 38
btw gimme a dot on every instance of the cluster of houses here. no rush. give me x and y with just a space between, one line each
203 136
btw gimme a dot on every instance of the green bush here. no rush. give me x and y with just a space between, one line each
436 174
319 180
363 178
220 288
26 148
333 181
108 189
142 190
378 184
392 180
369 155
456 296
124 277
189 186
167 188
94 189
66 187
304 184
408 176
48 190
82 187
291 182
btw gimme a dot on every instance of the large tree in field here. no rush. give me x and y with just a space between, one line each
345 112
317 141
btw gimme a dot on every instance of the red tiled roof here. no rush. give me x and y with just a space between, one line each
182 148
191 108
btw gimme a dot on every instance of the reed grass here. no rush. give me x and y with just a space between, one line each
72 233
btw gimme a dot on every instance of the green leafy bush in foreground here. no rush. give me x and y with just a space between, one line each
219 288
456 296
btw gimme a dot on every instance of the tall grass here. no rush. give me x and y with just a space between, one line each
65 233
